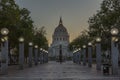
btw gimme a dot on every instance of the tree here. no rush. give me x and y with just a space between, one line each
101 23
16 20
81 40
19 23
39 37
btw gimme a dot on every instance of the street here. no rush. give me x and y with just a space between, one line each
56 71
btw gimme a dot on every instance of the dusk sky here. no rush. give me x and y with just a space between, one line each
75 14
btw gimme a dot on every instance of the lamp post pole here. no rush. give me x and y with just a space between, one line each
4 51
41 55
76 58
79 52
21 53
47 56
79 55
114 51
30 53
36 54
3 58
73 57
98 53
84 55
89 54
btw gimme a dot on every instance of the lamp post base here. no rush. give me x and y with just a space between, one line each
4 69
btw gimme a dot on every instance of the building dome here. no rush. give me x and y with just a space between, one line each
60 30
60 42
60 33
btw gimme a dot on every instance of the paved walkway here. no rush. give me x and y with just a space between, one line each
56 71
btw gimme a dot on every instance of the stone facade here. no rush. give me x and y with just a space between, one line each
60 37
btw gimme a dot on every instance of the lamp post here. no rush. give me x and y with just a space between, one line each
3 57
98 53
44 54
114 51
79 52
77 56
89 54
4 50
84 55
21 53
41 55
47 57
30 53
73 56
36 54
60 53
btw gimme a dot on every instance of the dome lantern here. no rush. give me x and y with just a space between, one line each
60 22
60 33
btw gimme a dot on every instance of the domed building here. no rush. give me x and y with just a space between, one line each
60 41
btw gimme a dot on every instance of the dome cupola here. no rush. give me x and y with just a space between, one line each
60 29
60 33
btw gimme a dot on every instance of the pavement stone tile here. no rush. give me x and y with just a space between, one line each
56 71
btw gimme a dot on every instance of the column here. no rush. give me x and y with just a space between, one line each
36 54
30 54
4 65
80 57
84 55
114 57
89 56
21 55
98 56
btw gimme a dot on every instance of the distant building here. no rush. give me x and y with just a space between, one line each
60 38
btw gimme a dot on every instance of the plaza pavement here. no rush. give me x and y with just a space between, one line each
56 71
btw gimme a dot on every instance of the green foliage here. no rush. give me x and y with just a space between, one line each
81 40
19 23
39 38
16 20
101 23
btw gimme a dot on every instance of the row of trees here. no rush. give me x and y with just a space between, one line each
100 24
19 23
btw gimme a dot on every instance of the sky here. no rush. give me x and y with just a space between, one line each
75 14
